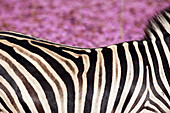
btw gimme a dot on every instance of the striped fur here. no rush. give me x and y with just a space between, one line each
41 76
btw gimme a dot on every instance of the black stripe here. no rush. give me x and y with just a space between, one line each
165 16
35 39
77 61
143 104
56 49
145 63
90 81
4 105
55 65
33 71
150 109
157 106
20 35
161 27
27 85
148 97
163 56
135 60
61 71
161 50
59 50
13 84
156 66
108 59
123 63
155 93
146 107
164 60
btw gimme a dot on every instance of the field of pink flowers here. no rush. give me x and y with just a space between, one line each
81 23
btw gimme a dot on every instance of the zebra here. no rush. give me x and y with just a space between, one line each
38 76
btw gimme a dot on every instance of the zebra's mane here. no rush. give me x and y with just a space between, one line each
158 25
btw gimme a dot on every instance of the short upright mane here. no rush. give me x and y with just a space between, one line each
160 23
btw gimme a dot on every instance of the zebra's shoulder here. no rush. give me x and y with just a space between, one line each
159 26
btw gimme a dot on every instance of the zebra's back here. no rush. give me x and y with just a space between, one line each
41 76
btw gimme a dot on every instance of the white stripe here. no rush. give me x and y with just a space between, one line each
160 65
13 94
142 99
60 99
115 79
86 64
148 104
45 41
24 92
129 77
165 47
62 60
161 70
98 92
157 88
164 22
140 79
3 109
168 14
7 101
41 70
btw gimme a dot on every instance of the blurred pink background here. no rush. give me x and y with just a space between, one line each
80 23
